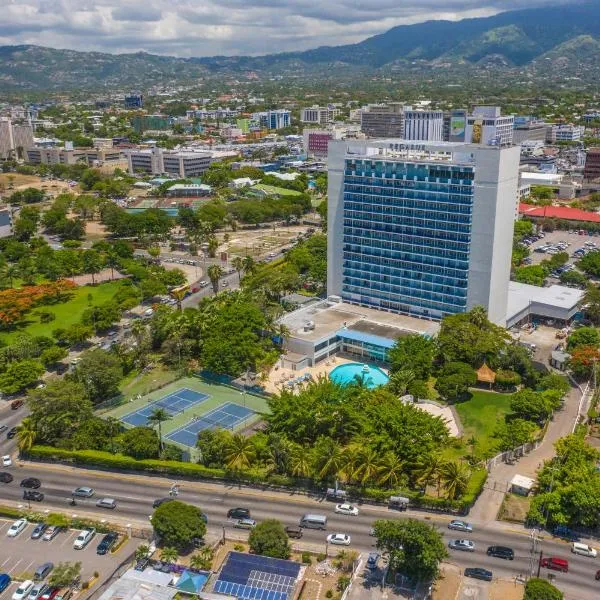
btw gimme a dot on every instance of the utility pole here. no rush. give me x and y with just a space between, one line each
533 551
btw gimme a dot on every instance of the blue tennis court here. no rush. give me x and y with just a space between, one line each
226 416
257 577
174 403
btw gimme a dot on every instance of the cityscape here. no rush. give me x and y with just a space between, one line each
308 314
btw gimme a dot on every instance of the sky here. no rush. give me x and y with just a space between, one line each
222 27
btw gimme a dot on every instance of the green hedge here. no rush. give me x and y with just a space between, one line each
34 517
195 471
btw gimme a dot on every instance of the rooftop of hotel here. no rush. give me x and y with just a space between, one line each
522 295
329 317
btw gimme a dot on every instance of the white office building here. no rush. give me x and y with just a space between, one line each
156 161
421 228
564 133
426 125
320 115
487 126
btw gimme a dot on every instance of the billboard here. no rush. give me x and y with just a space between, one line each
477 131
457 129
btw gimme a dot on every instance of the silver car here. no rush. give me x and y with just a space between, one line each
83 492
460 526
465 545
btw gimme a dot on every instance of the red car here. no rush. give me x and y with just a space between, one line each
50 593
16 404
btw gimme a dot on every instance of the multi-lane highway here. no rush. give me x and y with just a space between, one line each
135 493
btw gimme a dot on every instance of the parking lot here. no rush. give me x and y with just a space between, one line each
20 556
573 243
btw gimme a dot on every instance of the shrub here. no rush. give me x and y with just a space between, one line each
321 557
239 547
306 558
343 582
329 594
46 316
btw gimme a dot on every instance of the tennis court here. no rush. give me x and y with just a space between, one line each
226 416
174 403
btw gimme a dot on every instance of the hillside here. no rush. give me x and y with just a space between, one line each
562 36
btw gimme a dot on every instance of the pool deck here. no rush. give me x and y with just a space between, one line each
278 376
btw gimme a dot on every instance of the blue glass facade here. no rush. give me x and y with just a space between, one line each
407 235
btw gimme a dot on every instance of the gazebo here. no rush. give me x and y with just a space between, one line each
486 375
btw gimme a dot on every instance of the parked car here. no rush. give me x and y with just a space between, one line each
38 531
15 529
4 581
501 552
83 539
50 593
346 509
3 427
31 483
15 404
107 542
238 513
51 533
372 560
23 590
36 591
338 539
478 573
43 570
33 495
11 433
460 526
6 461
245 524
83 492
107 503
465 545
6 477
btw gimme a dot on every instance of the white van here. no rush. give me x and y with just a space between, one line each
83 539
584 550
314 522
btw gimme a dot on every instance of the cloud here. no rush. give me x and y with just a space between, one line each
228 27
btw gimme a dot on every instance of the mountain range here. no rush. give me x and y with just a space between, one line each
564 37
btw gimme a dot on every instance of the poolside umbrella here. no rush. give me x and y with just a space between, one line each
191 583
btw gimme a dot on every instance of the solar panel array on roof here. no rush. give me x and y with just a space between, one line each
253 577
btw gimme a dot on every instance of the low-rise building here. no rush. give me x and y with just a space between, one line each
320 115
156 161
487 125
564 133
189 190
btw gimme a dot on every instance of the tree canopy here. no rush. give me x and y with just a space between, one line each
269 539
177 524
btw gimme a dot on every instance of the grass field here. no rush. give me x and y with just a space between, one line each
480 416
219 395
66 313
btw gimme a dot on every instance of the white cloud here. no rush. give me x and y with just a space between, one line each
211 27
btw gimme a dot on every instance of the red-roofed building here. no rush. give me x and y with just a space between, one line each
558 212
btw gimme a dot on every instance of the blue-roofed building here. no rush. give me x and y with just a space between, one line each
323 328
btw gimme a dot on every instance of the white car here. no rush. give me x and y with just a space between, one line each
466 545
338 539
83 539
6 461
23 590
15 529
346 509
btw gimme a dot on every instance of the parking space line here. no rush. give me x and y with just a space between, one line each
71 536
4 524
26 569
15 565
5 562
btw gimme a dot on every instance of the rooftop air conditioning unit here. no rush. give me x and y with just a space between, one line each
309 326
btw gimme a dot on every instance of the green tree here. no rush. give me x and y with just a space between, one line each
239 453
20 375
213 446
158 417
584 336
26 435
540 589
455 478
100 372
73 335
139 443
414 548
215 272
590 263
269 539
177 524
65 574
92 263
531 406
514 433
413 352
238 264
591 302
531 275
50 357
169 554
455 379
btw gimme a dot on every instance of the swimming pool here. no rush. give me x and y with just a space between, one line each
346 374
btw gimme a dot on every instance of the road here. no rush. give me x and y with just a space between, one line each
135 493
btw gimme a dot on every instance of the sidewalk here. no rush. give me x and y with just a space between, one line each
488 504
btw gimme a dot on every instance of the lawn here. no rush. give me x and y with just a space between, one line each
480 416
66 313
271 189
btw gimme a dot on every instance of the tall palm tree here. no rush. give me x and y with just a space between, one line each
215 272
249 265
158 417
283 333
455 477
26 434
391 470
179 295
213 244
169 554
478 316
330 462
366 466
238 264
112 262
300 464
429 471
240 452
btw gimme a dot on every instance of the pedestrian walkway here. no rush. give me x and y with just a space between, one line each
488 504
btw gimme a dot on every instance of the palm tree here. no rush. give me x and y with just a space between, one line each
199 562
478 316
400 380
26 434
213 244
240 452
455 477
366 465
215 272
12 272
142 551
179 295
249 265
238 264
391 470
331 461
169 554
300 462
112 262
430 471
283 333
158 417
